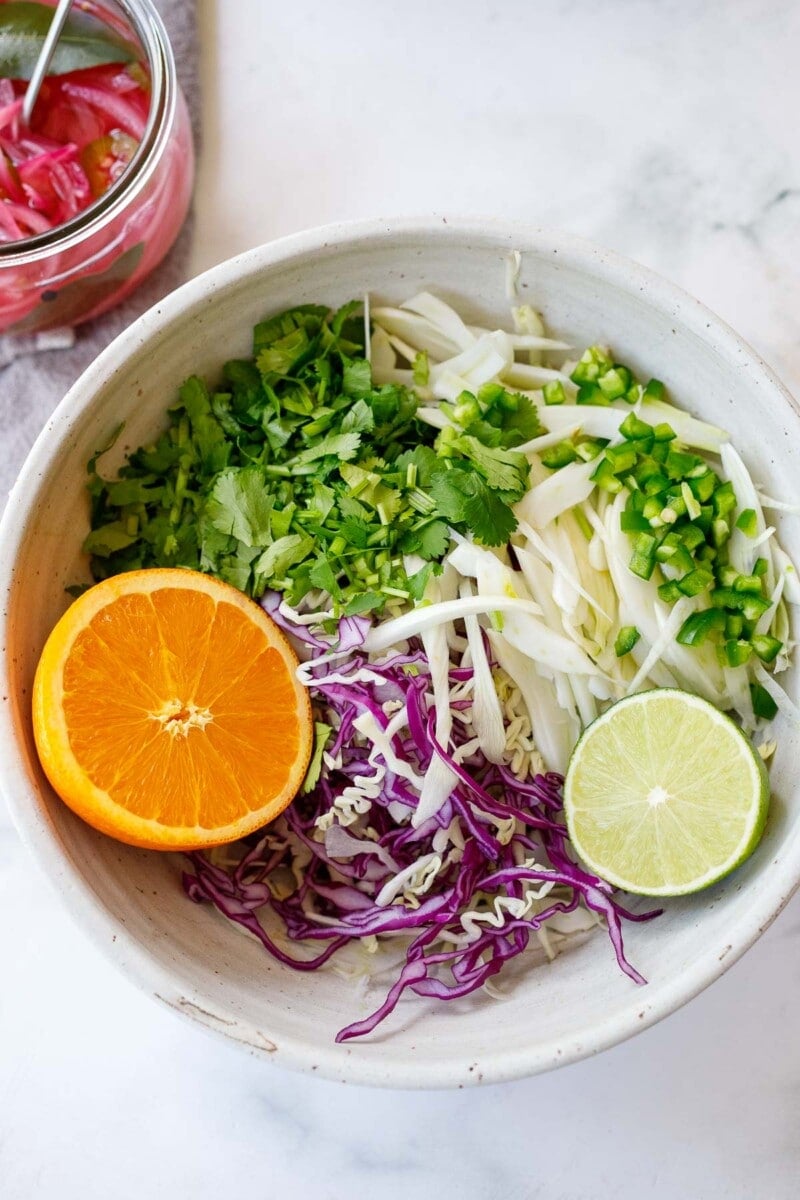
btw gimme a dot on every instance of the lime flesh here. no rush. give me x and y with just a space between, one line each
664 795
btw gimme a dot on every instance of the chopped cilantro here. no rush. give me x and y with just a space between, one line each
421 369
238 506
296 473
505 471
429 541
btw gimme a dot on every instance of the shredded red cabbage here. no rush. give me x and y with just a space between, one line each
334 899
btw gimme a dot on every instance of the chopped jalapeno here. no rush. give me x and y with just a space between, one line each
696 628
763 704
643 559
767 648
746 521
559 455
554 392
626 639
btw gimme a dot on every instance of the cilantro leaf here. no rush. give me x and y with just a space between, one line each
417 583
121 492
356 377
343 315
236 572
423 461
355 532
284 355
214 545
431 541
359 419
350 507
363 603
449 487
505 471
347 327
281 519
107 539
322 576
308 317
339 445
282 554
240 505
523 422
464 499
488 517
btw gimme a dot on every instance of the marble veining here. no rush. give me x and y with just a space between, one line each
666 129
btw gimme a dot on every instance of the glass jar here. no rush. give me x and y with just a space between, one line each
78 270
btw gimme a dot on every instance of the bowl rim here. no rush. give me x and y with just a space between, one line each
41 836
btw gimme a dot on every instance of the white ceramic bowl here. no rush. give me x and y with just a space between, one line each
130 902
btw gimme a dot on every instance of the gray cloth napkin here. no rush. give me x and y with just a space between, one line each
36 371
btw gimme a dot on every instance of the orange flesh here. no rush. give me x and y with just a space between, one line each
182 709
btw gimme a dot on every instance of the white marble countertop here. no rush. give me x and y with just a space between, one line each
666 129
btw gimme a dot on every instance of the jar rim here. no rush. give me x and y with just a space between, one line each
152 34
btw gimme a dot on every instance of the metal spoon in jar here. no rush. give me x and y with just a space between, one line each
45 55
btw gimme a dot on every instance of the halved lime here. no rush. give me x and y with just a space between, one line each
664 795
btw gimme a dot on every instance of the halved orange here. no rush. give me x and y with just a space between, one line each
167 711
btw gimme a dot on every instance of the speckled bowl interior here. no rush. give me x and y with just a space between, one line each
130 902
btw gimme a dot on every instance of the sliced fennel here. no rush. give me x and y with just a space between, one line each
487 715
573 559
